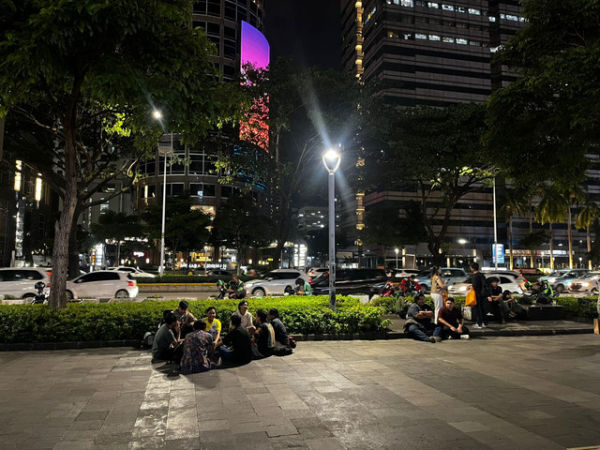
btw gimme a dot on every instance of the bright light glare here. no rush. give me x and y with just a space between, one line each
331 160
157 114
462 241
331 155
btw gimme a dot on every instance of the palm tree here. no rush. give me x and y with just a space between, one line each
551 209
586 217
516 204
574 195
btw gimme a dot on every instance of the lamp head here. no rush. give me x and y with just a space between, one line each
331 160
157 114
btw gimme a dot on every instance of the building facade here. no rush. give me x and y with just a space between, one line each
437 53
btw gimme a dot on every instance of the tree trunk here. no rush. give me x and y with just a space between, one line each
73 249
510 241
588 236
531 257
570 238
118 259
551 248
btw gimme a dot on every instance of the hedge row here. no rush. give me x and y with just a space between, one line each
187 279
111 321
581 308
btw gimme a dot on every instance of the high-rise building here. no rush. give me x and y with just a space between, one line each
434 53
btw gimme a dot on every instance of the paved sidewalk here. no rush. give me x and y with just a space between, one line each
501 393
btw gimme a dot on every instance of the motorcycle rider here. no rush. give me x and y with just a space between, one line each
236 288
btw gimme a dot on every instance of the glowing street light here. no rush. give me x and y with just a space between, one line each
331 161
396 251
157 115
38 189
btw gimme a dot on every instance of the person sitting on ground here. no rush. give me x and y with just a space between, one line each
450 322
198 350
495 300
264 337
237 344
213 325
236 288
282 339
166 347
418 321
245 316
186 319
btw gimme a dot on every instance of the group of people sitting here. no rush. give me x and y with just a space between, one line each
196 345
420 323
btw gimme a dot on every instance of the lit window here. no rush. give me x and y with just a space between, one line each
407 3
513 18
447 39
461 41
370 15
434 37
502 16
492 19
474 11
407 36
392 35
460 9
420 36
447 7
522 19
475 43
432 5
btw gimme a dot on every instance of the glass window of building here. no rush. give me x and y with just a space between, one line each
176 189
475 43
229 33
447 7
151 191
513 18
407 3
177 167
492 19
433 5
209 190
420 3
229 49
230 11
474 11
434 37
407 36
199 7
197 24
242 13
213 29
461 41
448 39
214 8
420 36
461 9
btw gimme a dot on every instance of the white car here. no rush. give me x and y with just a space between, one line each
133 271
19 282
588 283
103 284
276 282
316 271
507 282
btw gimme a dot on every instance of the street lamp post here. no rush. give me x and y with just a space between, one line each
331 160
396 251
161 268
495 225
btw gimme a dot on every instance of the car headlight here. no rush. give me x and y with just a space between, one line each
462 288
585 284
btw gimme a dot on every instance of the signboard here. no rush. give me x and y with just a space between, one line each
498 253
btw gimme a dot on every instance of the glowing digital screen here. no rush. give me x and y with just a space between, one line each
255 51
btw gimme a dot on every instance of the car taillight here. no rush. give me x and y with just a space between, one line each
49 274
131 283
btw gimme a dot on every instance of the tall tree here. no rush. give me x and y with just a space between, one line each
241 223
516 202
587 216
436 153
543 124
84 62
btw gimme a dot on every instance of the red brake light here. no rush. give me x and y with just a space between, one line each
131 283
49 273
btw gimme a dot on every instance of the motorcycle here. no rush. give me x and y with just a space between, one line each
41 297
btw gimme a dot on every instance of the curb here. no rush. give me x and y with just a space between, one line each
390 335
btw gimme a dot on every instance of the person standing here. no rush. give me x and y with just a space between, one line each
437 288
481 294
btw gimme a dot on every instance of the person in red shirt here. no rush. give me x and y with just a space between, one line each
450 322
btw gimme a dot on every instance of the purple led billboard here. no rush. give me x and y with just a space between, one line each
255 51
255 47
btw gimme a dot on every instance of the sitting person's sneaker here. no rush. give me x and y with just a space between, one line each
477 326
432 340
437 338
465 336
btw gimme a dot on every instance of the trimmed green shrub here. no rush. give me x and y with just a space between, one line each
187 279
112 321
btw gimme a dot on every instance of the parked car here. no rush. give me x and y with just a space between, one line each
218 273
103 284
397 274
586 283
351 281
316 271
20 282
507 282
276 282
560 279
134 271
449 275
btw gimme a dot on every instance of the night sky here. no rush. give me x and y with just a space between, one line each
306 30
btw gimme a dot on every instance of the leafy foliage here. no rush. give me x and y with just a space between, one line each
99 322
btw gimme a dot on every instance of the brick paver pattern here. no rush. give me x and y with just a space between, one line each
501 393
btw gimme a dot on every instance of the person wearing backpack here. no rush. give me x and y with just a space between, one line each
481 293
